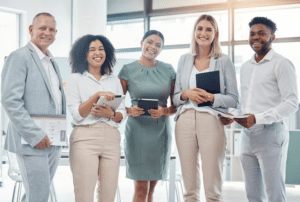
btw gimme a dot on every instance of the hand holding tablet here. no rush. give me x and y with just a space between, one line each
114 104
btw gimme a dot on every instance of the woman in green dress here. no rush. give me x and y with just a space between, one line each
148 138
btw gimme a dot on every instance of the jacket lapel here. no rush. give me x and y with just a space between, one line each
60 86
40 67
188 67
213 64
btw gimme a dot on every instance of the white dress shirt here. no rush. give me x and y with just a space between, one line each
80 87
52 76
268 88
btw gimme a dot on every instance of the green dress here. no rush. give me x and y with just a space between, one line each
147 140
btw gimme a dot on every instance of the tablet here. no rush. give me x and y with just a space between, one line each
114 104
147 104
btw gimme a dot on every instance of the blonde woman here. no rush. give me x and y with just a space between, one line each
198 129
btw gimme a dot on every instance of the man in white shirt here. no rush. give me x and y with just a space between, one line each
269 96
31 84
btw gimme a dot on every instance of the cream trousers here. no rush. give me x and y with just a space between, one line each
201 132
95 157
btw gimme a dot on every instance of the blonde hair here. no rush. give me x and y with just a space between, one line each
215 46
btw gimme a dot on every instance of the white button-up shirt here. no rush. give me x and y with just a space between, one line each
80 87
52 76
268 88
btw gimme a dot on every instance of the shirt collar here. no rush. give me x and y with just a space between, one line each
86 73
267 57
40 53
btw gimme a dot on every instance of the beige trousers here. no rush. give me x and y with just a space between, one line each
201 132
95 156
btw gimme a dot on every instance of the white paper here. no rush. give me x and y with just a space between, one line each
233 116
55 128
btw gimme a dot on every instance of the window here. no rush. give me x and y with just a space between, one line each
126 33
285 17
177 29
158 4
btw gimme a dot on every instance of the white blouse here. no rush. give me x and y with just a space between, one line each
192 105
80 87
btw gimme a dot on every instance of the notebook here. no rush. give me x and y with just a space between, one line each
209 81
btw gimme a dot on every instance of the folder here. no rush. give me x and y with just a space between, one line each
147 104
210 82
54 125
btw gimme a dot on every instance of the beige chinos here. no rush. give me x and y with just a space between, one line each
95 155
201 132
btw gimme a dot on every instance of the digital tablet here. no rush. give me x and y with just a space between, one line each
114 104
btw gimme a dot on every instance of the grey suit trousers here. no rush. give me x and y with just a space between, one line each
263 156
37 173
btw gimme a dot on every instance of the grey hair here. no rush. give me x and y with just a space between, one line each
44 14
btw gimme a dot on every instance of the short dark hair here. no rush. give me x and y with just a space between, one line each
43 13
80 49
154 32
263 20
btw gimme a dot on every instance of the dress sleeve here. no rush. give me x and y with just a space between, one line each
123 74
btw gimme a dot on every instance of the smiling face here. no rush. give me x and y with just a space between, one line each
151 47
42 32
96 55
204 33
261 39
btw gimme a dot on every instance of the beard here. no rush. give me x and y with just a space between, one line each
265 47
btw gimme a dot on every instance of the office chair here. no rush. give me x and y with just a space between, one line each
14 174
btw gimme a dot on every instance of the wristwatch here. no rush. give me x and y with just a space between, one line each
111 118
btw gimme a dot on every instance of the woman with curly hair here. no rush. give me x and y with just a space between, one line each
95 140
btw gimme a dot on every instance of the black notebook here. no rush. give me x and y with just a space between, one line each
209 81
147 104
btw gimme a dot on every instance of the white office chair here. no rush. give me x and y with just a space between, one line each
14 174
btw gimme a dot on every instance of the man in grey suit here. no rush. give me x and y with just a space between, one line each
31 84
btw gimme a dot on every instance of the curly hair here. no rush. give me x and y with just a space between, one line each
80 49
265 21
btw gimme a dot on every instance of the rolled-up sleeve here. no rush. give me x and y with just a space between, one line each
73 98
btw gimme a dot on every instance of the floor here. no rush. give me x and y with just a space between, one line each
233 191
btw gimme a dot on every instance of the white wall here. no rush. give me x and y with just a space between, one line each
60 9
89 17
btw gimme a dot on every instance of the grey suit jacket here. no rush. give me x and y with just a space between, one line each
26 90
228 85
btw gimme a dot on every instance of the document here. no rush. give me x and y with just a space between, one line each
210 82
147 104
230 116
114 104
55 126
233 116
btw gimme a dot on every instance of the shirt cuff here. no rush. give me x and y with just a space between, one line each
124 114
76 115
181 102
216 103
259 119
